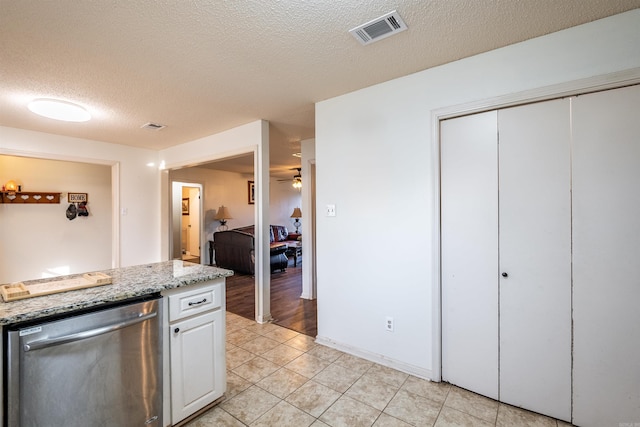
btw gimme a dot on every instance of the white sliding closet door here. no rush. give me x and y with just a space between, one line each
469 227
606 260
506 255
535 257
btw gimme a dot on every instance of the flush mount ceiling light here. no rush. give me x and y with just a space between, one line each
59 110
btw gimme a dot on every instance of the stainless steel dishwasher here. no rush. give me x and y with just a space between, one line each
102 368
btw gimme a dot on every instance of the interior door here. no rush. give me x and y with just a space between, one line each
469 248
535 257
606 177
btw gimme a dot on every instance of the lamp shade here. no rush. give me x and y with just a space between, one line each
11 186
297 213
223 213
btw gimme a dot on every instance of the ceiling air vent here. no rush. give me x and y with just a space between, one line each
380 28
153 126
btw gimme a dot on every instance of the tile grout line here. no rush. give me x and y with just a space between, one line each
331 360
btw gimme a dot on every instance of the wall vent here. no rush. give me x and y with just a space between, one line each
153 126
380 28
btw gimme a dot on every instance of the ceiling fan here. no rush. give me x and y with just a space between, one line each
297 179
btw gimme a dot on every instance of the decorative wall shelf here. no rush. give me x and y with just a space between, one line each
29 197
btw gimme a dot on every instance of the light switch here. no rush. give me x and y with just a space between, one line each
331 210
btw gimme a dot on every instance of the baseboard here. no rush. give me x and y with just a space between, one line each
377 358
266 319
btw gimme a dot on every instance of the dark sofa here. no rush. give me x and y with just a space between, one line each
235 249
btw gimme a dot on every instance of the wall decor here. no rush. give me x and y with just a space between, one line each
29 197
185 206
77 197
251 190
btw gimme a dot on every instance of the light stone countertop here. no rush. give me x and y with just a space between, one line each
127 282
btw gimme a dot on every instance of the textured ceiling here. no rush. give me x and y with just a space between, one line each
201 67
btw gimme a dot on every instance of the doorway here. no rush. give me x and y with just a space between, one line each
22 224
186 210
225 183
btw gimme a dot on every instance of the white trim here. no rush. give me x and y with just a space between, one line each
212 158
200 186
377 358
309 276
572 88
436 302
561 90
115 215
262 221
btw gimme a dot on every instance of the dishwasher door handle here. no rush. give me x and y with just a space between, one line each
50 342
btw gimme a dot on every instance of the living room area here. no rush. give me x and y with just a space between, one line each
226 192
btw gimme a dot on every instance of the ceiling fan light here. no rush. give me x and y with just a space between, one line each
59 110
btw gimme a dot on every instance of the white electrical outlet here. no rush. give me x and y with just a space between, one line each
389 324
331 210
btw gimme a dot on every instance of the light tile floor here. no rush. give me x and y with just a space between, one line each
278 377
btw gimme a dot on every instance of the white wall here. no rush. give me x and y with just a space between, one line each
37 239
137 185
375 163
284 198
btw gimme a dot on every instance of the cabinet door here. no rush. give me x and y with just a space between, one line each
469 230
197 363
606 238
535 256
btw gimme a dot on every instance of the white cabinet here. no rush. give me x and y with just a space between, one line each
196 347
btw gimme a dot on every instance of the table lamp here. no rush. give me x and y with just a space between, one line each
297 214
223 215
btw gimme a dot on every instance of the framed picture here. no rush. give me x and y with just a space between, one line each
251 191
185 206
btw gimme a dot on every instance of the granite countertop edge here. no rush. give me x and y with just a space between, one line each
127 282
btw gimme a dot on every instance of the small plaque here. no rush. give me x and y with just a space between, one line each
30 331
77 197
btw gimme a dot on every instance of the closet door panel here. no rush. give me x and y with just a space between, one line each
606 245
469 213
535 256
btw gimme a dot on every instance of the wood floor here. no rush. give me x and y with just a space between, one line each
287 308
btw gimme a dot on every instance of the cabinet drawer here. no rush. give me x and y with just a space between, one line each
191 302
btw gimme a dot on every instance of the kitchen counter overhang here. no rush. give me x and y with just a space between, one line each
127 282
